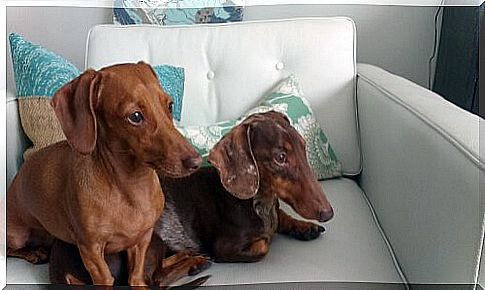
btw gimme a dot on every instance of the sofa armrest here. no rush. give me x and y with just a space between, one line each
423 168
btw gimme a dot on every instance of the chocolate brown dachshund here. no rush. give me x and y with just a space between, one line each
231 212
99 189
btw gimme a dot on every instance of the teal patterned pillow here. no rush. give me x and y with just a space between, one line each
172 80
287 98
39 72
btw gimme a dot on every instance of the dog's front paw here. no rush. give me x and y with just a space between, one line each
200 263
307 231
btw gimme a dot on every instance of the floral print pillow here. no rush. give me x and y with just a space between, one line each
169 12
287 98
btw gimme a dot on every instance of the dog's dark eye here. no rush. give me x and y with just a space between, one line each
170 107
280 158
136 118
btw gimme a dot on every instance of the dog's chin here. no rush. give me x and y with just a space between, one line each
309 216
319 215
304 212
155 165
172 172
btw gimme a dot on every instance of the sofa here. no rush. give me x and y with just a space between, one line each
409 206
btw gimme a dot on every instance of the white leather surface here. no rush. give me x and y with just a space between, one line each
421 171
229 67
351 249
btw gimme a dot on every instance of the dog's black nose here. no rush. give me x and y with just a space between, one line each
192 163
326 215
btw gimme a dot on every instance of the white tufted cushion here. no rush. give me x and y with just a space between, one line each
230 67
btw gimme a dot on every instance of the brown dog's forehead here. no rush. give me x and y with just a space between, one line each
129 80
127 88
133 73
273 129
270 115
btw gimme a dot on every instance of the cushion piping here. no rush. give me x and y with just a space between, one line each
386 241
479 255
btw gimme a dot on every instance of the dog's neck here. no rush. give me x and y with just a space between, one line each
119 165
265 205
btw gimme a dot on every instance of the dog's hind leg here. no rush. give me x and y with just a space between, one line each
18 242
17 245
38 255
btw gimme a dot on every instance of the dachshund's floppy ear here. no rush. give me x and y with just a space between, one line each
233 157
74 107
149 67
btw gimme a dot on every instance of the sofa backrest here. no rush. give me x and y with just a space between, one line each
229 68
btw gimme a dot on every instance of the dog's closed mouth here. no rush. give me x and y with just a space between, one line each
157 165
153 165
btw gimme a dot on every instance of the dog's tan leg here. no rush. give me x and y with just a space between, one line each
93 259
181 265
174 259
301 230
136 260
228 251
258 249
71 280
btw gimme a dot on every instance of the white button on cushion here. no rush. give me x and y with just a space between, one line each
210 75
280 66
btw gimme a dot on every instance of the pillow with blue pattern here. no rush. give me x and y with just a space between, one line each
287 98
39 73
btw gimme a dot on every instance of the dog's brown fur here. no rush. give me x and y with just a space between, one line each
99 190
232 212
234 220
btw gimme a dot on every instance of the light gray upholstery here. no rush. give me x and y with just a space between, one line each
351 249
422 168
